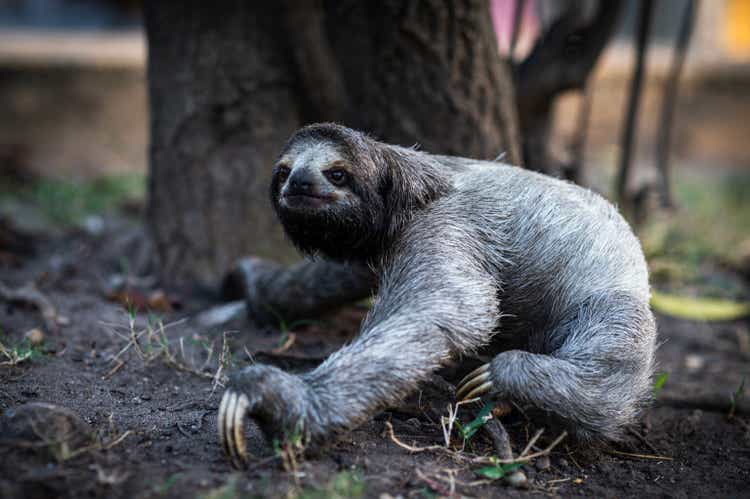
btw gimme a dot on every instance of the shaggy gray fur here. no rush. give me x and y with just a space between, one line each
463 250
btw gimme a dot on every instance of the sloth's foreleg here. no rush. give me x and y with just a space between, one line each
273 293
596 374
432 305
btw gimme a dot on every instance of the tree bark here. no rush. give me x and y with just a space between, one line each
229 81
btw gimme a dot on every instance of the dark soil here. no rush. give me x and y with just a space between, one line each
687 446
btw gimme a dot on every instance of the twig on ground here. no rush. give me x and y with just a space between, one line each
28 293
113 371
644 441
532 442
408 447
640 456
462 456
434 485
528 457
118 440
558 480
573 459
99 446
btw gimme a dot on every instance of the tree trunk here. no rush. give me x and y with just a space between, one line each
230 80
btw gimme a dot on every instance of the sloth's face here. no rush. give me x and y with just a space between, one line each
323 199
314 178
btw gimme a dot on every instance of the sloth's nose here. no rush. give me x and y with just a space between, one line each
301 182
301 185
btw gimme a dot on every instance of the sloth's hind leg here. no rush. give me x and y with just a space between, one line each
596 375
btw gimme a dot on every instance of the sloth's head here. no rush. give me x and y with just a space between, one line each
342 194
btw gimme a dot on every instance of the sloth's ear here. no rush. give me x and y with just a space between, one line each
408 181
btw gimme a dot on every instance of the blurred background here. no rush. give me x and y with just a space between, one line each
74 126
136 144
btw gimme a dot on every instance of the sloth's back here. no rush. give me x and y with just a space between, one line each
554 244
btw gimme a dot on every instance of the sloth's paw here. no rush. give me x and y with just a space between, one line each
479 383
278 401
475 384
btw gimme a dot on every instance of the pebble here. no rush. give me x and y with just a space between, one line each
694 362
35 336
46 428
93 225
518 480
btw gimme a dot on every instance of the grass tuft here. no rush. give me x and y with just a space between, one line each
18 353
68 202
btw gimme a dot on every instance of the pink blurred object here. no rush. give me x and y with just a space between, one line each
503 12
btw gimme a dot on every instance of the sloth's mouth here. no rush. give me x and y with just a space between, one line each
300 195
299 200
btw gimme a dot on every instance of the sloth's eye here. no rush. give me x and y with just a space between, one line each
336 176
282 173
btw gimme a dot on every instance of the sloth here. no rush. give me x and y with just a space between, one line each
461 253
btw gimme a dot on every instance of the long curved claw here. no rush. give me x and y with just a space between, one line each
475 383
482 389
239 429
230 422
221 417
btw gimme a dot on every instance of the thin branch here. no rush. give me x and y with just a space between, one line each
627 143
669 101
532 441
640 456
529 457
408 447
461 456
578 142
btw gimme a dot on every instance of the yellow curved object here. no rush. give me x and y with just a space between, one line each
699 309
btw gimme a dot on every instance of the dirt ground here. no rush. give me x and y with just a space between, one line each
147 417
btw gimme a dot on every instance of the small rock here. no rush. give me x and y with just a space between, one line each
59 430
563 462
221 314
62 320
542 463
35 336
518 480
694 362
93 225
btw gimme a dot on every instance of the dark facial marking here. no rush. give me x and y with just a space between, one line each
336 176
282 173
